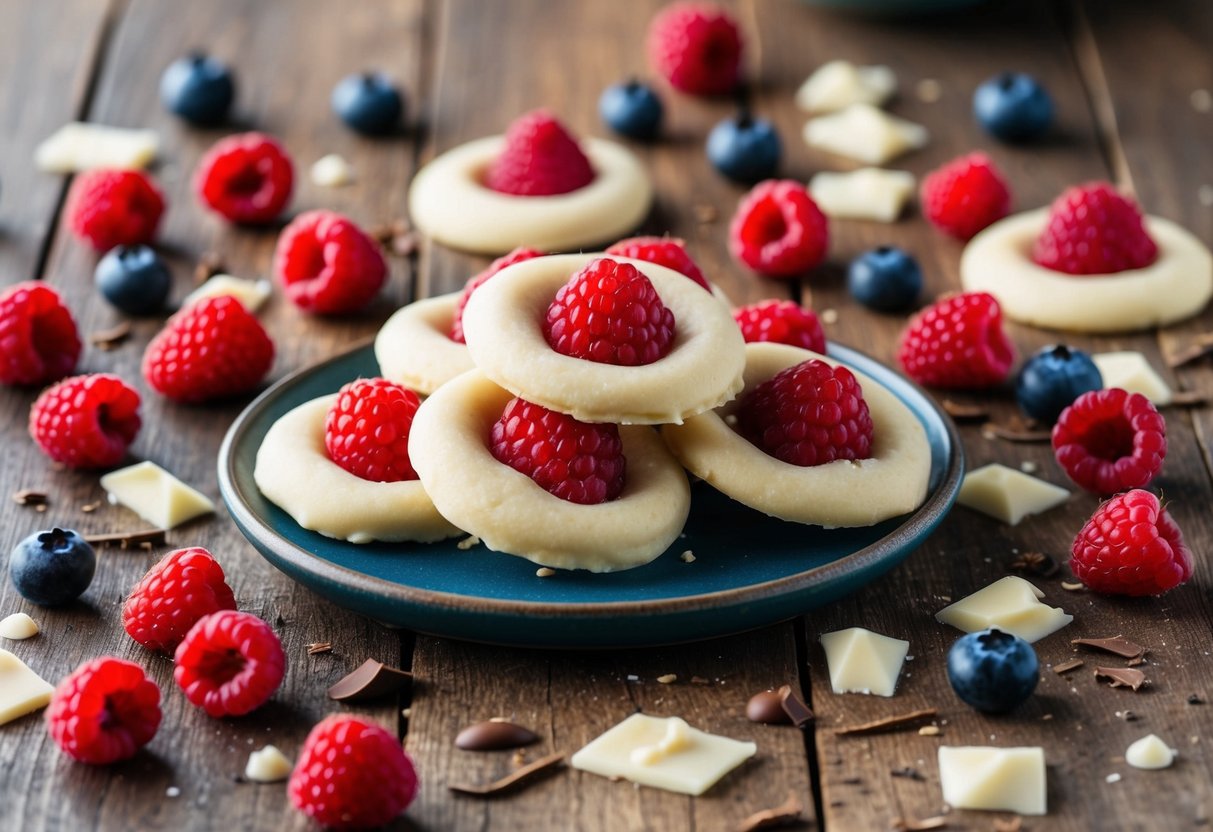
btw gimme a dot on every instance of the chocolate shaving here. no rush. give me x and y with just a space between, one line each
1037 564
370 680
1135 661
1127 715
1066 667
903 825
1118 645
797 711
908 772
1197 348
1017 432
1008 824
887 723
30 497
965 412
1122 677
510 781
784 814
699 680
319 647
153 536
1188 398
108 339
1195 699
494 735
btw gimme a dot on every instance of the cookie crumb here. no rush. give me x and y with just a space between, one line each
544 572
928 90
929 731
1028 466
468 542
668 678
829 316
1112 778
688 556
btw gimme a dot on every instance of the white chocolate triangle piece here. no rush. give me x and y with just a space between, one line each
1007 494
840 84
862 661
864 133
79 146
18 627
1150 753
155 495
1129 370
1012 605
251 293
996 779
22 691
864 194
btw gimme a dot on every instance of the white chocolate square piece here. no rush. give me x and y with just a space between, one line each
1129 370
251 293
996 779
79 146
155 495
862 661
1012 605
22 691
864 194
840 84
1007 494
664 753
864 133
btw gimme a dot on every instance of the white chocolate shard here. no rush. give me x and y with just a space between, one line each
839 84
864 133
1007 494
995 779
1150 753
1129 370
79 146
18 626
22 691
862 661
332 171
267 765
1012 605
864 194
252 294
155 495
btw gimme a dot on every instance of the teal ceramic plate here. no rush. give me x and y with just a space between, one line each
749 570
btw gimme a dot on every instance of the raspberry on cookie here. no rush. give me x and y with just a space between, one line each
1092 229
782 322
540 158
670 252
366 430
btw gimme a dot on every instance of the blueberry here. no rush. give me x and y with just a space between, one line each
52 568
1052 379
199 89
134 279
993 671
369 103
885 279
745 149
1013 107
632 110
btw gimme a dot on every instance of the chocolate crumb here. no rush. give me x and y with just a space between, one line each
1014 824
518 758
1036 564
494 735
1197 348
887 723
705 213
1016 431
1127 715
699 680
1195 699
30 497
1122 677
107 339
965 412
317 647
1135 661
668 678
1067 666
405 245
513 780
370 680
908 772
797 711
903 825
397 237
784 814
152 536
1073 586
852 781
209 265
1117 645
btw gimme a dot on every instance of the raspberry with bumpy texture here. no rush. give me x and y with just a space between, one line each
229 663
959 342
965 195
86 421
778 230
696 47
108 208
246 178
104 711
39 342
781 322
664 251
1131 546
1110 440
1092 229
540 158
366 430
327 264
183 587
515 256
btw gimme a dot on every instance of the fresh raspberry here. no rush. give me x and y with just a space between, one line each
965 195
229 663
86 421
367 429
540 158
110 208
104 711
696 47
1094 230
576 461
352 774
515 256
808 414
327 264
664 251
958 342
39 342
783 322
1110 441
1131 546
778 230
210 349
610 313
246 178
183 587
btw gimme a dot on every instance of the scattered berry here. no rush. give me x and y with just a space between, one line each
133 279
367 429
540 158
670 252
778 230
1094 230
1110 441
181 588
632 110
958 342
1131 546
86 421
745 149
38 338
108 208
229 663
104 711
993 671
965 195
369 103
515 256
52 568
1052 379
327 264
1014 107
199 89
246 178
885 278
696 47
783 322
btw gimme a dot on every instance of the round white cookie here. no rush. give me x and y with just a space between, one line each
503 324
843 493
449 202
414 346
510 512
1175 286
293 470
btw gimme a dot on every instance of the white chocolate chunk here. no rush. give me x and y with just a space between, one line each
864 194
1129 370
22 691
1012 605
862 661
997 779
864 133
1150 753
840 84
663 753
251 293
79 146
1008 495
332 171
267 765
155 495
18 626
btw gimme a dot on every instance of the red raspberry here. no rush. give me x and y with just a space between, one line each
664 251
540 158
183 587
367 429
327 264
808 414
246 178
110 208
778 230
610 313
696 47
515 256
1131 546
1094 230
86 421
965 195
229 663
104 711
1110 441
781 321
352 774
576 461
958 342
39 342
210 349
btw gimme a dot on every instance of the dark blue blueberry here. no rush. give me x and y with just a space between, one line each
199 89
1052 379
52 568
134 279
745 149
885 279
1013 107
369 103
993 671
632 110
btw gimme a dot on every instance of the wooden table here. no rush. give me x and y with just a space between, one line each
1125 78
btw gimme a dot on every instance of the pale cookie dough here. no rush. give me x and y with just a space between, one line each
1175 286
414 347
511 513
448 202
294 471
503 324
843 493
